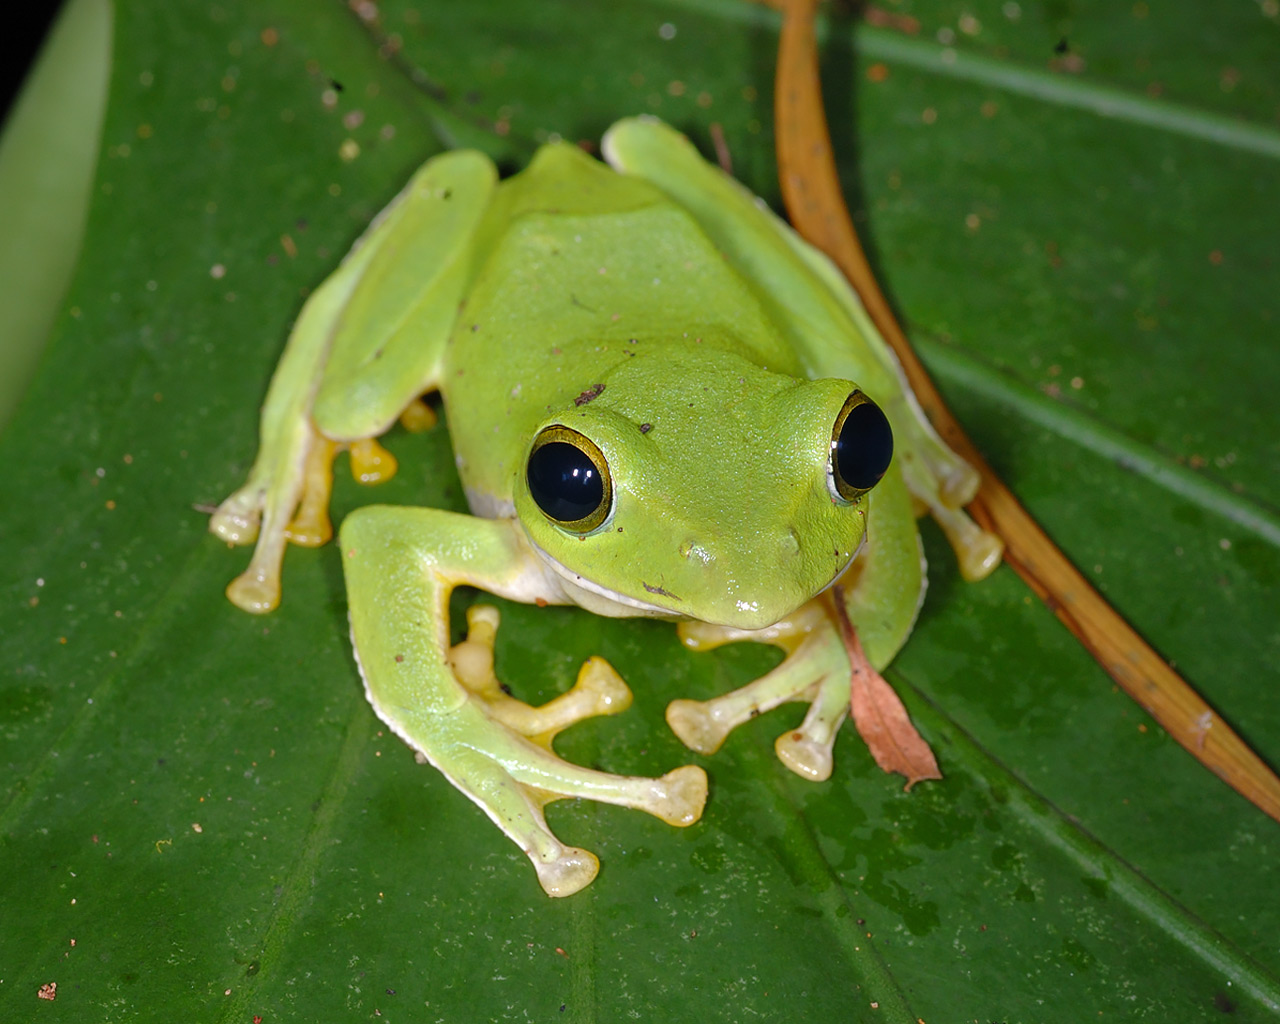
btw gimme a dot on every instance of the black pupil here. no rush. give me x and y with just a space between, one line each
564 482
864 447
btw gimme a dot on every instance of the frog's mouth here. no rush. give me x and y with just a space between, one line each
602 600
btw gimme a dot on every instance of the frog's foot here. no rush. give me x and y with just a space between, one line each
978 552
237 519
511 771
807 750
286 500
955 482
599 690
512 778
294 475
370 462
311 526
418 416
815 670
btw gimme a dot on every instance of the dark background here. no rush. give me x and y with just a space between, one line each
24 36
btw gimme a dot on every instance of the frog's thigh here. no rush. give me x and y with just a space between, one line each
401 565
389 338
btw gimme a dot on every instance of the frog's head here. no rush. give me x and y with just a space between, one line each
699 487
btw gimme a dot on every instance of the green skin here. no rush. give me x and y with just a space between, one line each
707 351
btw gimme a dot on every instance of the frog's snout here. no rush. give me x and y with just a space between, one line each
749 578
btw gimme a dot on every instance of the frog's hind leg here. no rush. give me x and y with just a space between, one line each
401 565
293 458
367 344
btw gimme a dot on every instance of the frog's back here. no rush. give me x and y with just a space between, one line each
584 268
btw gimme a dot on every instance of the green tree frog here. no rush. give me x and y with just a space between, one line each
662 402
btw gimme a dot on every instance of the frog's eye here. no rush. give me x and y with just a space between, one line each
861 447
569 479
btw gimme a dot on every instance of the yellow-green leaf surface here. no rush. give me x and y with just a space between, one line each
1074 206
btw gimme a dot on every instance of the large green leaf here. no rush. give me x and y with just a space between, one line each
202 818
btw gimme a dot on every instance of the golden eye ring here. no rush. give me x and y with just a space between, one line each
861 448
569 479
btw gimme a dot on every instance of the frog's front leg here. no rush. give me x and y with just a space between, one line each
815 670
401 565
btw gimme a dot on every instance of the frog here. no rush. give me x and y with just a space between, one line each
662 403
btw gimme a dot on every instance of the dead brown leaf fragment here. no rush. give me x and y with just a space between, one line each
878 713
811 192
